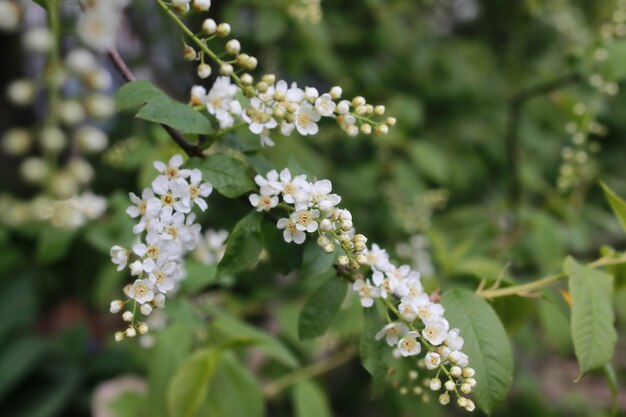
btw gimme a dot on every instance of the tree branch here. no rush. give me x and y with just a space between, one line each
190 149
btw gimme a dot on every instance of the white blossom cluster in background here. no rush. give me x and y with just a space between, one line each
99 23
268 105
417 251
166 229
53 155
420 325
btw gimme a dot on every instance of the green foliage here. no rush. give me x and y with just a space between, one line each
159 108
229 176
486 343
322 307
309 400
243 246
373 351
315 262
617 204
593 330
189 385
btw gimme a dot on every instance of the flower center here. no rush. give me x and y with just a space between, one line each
173 231
153 251
303 119
194 192
304 217
408 344
171 172
142 207
168 199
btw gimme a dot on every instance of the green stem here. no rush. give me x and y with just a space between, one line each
199 42
308 372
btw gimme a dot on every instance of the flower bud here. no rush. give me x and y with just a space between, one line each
343 107
201 5
346 225
204 71
269 78
247 79
326 225
468 372
119 336
449 385
226 69
311 94
16 141
251 63
359 238
262 87
209 26
462 402
323 241
379 110
52 139
335 92
390 121
223 30
116 306
444 399
330 248
352 130
189 54
361 259
233 47
366 129
359 246
38 40
127 316
100 106
466 388
70 112
455 371
143 328
344 260
131 332
21 92
145 309
34 170
381 129
9 16
435 384
358 101
469 405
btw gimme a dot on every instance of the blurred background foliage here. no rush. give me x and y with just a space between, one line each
474 182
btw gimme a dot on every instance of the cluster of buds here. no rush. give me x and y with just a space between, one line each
168 231
419 325
53 153
269 104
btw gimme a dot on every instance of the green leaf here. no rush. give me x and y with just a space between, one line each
17 360
315 261
373 351
309 400
234 392
53 244
243 246
486 344
617 204
228 328
135 94
593 331
164 110
554 318
229 176
611 379
199 276
322 307
189 386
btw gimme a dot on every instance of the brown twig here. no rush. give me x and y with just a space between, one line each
189 148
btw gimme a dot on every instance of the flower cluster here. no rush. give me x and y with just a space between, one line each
269 104
54 154
165 223
98 25
419 324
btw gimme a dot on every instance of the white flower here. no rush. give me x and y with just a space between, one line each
408 345
392 332
265 139
119 256
311 93
136 268
454 341
98 26
258 116
407 311
270 184
211 248
221 102
289 187
172 169
9 16
263 202
198 95
201 5
436 331
458 358
366 291
291 232
141 291
161 277
432 360
325 105
306 220
196 190
306 120
378 258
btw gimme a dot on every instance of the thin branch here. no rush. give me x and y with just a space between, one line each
308 372
189 148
